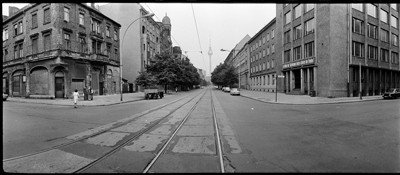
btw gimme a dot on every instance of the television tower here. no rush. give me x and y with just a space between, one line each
210 54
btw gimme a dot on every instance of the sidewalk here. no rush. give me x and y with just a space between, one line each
269 97
101 100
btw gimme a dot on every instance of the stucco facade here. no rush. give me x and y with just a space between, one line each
55 50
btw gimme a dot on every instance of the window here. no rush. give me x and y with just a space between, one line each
358 49
268 65
47 41
297 53
309 7
272 34
372 52
371 10
267 50
272 48
384 16
297 32
108 31
309 26
287 18
287 36
384 35
20 27
395 39
116 53
394 21
309 50
297 11
67 41
5 34
108 50
95 26
263 53
268 37
66 14
82 44
18 50
35 45
394 6
395 58
358 26
15 29
34 21
263 39
384 55
358 7
46 16
287 56
81 19
372 31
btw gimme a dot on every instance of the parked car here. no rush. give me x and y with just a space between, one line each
235 91
5 96
227 89
224 88
392 93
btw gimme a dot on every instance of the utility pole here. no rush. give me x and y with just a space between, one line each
360 82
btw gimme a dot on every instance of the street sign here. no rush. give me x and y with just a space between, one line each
281 76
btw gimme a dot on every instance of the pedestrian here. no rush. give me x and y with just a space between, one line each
176 89
75 96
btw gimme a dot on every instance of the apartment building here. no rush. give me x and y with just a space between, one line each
51 49
263 58
323 46
144 39
243 66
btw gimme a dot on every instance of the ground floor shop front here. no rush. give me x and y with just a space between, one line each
59 77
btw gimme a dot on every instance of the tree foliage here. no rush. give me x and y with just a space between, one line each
165 70
224 75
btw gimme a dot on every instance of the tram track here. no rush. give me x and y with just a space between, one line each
191 100
115 125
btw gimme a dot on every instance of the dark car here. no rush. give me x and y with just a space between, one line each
392 93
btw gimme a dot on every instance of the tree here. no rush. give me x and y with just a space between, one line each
145 79
224 75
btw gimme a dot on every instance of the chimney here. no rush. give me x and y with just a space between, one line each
12 10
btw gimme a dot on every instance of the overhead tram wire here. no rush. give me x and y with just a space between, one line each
198 36
160 20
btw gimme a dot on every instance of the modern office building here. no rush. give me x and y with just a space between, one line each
321 47
51 49
263 58
144 39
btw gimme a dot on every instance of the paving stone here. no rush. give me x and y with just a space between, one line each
146 142
130 127
196 130
197 145
107 138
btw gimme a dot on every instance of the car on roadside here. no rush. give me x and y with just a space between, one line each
227 89
235 91
224 89
5 96
391 94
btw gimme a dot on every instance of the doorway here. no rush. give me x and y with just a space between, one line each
59 85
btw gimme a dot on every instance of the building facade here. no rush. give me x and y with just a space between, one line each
243 67
143 40
51 49
263 58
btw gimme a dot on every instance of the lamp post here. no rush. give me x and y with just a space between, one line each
223 50
122 43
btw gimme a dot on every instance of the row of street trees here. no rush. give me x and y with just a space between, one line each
224 75
167 70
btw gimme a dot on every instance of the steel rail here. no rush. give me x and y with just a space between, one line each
214 114
96 133
171 137
135 136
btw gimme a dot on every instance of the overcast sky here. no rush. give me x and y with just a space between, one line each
225 24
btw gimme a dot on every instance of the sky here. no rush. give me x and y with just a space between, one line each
221 24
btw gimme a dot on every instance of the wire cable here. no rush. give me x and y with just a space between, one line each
198 36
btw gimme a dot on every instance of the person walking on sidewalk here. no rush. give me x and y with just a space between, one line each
176 89
75 96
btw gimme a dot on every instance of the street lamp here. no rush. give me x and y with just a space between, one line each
223 50
122 43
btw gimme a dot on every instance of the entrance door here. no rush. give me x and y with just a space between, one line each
59 86
101 87
297 79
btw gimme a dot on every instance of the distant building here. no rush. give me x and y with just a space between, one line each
144 39
51 49
263 58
